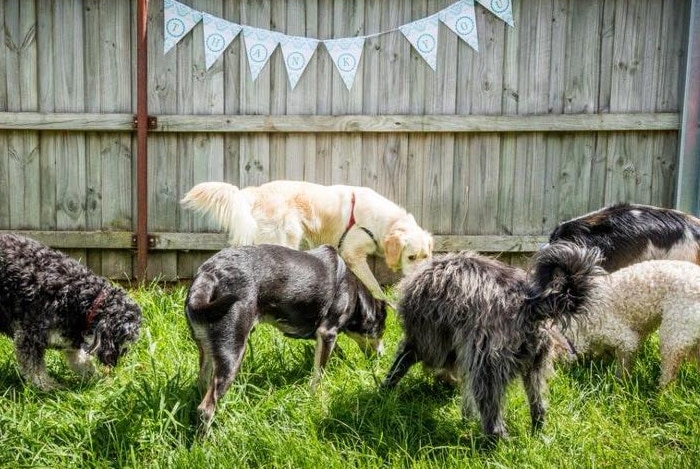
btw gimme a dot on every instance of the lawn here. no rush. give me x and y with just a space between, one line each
143 413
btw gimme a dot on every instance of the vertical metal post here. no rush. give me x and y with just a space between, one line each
688 187
142 142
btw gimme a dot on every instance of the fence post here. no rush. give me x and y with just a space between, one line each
142 139
688 190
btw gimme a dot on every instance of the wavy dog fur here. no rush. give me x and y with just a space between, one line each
484 323
305 294
632 303
49 300
631 233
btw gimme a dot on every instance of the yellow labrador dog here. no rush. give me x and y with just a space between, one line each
296 214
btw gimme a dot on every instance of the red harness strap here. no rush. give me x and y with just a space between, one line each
351 223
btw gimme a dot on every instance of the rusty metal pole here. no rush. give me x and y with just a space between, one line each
142 140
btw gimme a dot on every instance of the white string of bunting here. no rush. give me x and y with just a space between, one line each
459 17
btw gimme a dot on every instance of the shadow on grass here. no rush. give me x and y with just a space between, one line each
292 364
9 377
416 417
67 380
602 375
157 412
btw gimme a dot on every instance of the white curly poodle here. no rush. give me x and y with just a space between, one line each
634 302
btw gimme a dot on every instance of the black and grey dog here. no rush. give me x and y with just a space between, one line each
306 295
49 300
631 233
480 322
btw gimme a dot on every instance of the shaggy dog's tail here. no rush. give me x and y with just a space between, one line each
226 205
561 280
202 303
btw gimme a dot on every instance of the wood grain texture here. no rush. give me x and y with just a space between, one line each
577 106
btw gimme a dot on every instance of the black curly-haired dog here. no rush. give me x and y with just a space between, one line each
49 300
478 321
305 294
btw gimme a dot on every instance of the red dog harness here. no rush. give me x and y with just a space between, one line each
351 223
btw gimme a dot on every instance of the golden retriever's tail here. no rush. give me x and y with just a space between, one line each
227 206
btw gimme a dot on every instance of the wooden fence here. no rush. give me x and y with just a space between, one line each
579 105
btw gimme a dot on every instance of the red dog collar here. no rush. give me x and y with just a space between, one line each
92 311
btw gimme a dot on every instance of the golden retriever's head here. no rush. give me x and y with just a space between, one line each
406 245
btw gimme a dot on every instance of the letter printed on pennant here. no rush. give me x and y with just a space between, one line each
346 54
178 20
297 53
218 34
423 35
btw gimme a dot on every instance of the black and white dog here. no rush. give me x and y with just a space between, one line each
481 322
305 294
631 233
49 300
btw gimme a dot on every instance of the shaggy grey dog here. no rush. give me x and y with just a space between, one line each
305 294
481 322
49 300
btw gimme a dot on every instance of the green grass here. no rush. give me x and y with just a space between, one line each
143 413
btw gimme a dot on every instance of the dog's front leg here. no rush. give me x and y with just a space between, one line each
358 265
325 342
356 260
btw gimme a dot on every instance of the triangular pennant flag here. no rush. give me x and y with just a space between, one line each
423 35
501 8
178 20
218 34
461 19
259 45
297 52
346 53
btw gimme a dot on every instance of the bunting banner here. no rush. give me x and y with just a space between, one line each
259 46
345 54
297 52
178 20
461 19
218 34
423 36
501 8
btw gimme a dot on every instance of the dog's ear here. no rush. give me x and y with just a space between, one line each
394 243
103 346
96 341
